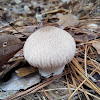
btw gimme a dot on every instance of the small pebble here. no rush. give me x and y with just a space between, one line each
19 23
66 1
17 1
27 10
35 4
38 17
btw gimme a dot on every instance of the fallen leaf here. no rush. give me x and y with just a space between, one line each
67 20
92 27
9 45
16 83
29 29
80 38
96 45
25 71
85 37
6 18
7 68
4 0
19 23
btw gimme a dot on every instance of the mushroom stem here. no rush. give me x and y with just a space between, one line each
49 72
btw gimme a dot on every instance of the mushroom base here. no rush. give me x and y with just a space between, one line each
51 72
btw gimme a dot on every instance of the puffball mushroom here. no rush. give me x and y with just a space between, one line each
49 49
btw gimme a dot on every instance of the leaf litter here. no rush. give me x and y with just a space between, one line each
81 19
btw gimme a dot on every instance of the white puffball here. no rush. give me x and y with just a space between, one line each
49 48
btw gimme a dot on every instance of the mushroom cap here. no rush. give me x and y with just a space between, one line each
49 47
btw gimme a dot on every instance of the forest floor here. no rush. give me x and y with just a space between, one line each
81 77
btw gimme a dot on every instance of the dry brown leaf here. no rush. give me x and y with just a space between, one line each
29 29
84 37
25 71
96 45
67 20
9 45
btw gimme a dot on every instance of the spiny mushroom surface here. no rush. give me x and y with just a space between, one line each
49 49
